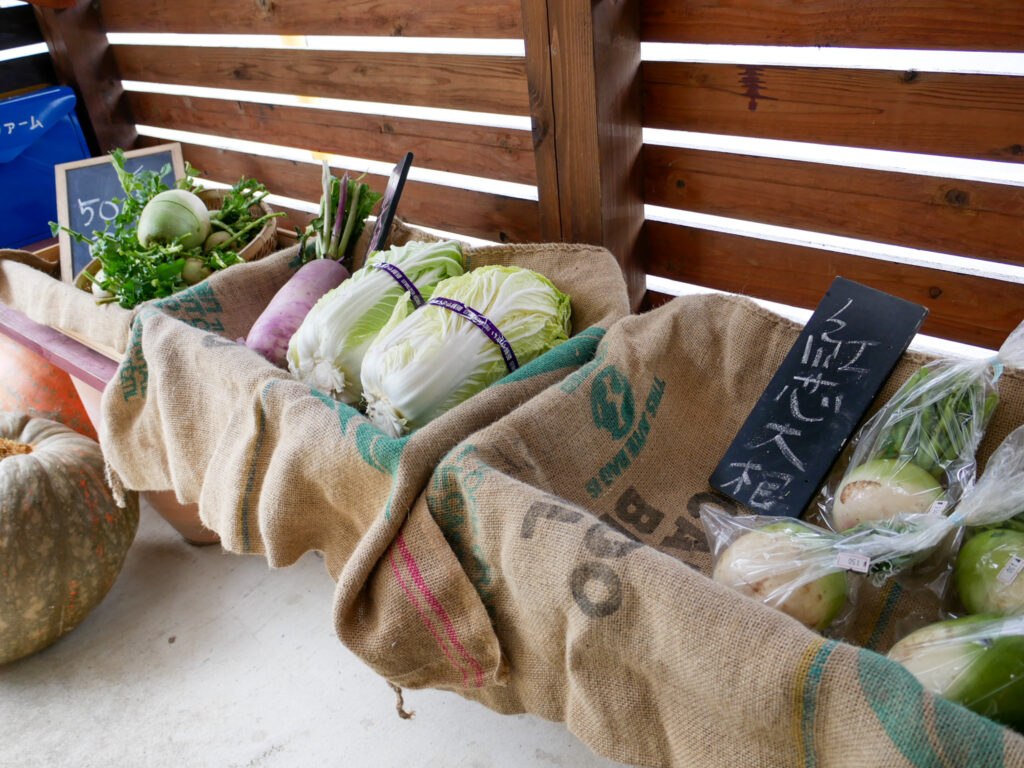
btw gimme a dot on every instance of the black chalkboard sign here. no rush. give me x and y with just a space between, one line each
86 188
799 426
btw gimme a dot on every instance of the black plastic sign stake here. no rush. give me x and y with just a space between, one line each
799 426
86 190
389 205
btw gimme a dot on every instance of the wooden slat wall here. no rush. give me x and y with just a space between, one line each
468 149
495 84
961 115
476 83
984 25
974 310
476 214
953 216
436 18
976 116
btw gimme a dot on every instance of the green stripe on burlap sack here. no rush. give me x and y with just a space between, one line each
576 519
279 469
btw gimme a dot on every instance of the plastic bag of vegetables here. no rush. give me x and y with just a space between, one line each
976 661
327 350
880 549
917 453
988 570
476 328
786 563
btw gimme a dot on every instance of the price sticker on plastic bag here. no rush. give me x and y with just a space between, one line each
851 562
1011 570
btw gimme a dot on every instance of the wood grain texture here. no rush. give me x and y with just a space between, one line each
66 353
82 59
476 214
975 116
966 308
985 25
592 117
495 153
542 110
963 218
438 18
476 83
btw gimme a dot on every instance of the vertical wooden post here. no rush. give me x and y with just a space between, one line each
83 61
583 65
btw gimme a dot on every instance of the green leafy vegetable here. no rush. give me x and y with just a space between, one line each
132 273
344 205
427 361
327 349
918 449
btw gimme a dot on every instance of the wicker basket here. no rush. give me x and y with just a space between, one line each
262 245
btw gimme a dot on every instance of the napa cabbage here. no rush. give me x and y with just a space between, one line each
428 360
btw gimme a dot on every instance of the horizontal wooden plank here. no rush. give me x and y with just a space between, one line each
963 218
438 18
965 308
66 353
475 214
976 116
27 72
476 83
18 27
984 25
495 153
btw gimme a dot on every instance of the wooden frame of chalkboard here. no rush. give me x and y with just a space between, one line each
84 192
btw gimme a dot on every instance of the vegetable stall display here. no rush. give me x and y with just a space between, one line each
63 539
163 240
327 246
327 349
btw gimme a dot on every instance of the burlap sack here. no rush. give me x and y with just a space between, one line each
279 469
27 286
576 518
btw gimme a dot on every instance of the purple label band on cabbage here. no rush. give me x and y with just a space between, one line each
485 325
403 280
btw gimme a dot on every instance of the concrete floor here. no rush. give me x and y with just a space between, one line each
198 658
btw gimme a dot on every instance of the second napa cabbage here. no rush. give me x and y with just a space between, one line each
327 350
431 359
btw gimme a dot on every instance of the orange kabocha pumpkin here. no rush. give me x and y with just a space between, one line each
29 384
63 539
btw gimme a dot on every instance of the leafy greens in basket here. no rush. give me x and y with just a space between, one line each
172 257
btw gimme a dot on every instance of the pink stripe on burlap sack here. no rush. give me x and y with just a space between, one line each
426 619
439 611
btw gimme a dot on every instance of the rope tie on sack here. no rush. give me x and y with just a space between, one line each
400 704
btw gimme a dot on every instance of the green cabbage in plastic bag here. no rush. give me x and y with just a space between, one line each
429 360
327 350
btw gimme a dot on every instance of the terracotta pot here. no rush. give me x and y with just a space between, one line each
184 518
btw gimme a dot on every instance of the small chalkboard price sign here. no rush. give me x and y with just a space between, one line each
86 189
799 426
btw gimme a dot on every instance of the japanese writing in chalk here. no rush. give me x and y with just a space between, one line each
813 402
32 124
812 394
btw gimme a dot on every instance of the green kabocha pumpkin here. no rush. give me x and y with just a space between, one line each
63 539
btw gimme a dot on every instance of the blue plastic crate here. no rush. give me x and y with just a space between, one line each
38 130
